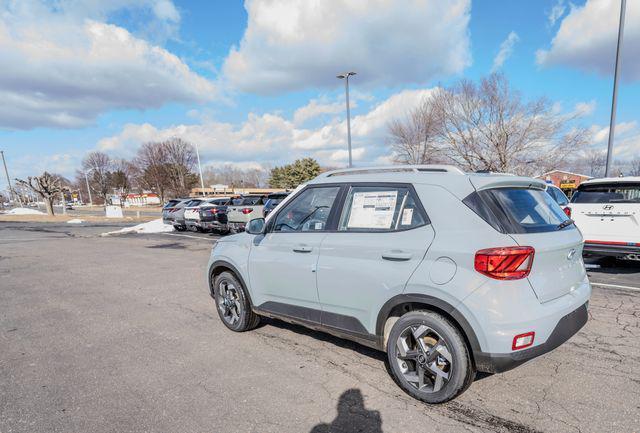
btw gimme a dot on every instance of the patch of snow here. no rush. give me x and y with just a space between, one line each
75 221
155 226
24 211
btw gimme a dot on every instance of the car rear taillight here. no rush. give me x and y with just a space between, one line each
567 211
521 341
213 211
505 263
247 210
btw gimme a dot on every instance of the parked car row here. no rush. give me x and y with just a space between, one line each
218 214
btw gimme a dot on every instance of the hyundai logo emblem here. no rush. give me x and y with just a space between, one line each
607 207
571 254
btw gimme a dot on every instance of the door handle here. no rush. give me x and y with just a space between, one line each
396 255
302 249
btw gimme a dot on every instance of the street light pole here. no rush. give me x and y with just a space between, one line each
88 188
6 172
345 77
614 101
200 169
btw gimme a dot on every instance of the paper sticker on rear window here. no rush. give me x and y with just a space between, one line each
407 217
372 210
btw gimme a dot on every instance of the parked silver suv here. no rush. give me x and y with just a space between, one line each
449 273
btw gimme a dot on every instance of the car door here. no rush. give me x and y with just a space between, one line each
382 234
282 262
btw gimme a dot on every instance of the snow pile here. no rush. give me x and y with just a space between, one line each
75 221
24 211
155 226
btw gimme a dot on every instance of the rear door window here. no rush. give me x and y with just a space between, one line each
607 193
380 209
518 210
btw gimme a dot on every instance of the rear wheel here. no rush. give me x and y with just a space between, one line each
428 357
233 303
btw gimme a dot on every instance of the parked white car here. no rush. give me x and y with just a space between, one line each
447 272
607 212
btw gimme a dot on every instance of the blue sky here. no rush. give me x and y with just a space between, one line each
254 83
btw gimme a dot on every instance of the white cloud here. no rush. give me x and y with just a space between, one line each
291 44
317 108
271 138
583 109
556 12
61 69
506 49
586 39
600 134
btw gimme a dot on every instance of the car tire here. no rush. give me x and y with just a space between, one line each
180 228
451 357
232 303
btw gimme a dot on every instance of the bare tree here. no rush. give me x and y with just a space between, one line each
181 160
489 127
122 176
634 169
97 166
47 186
591 163
151 168
414 139
234 176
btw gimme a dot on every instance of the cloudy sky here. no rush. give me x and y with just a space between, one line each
255 82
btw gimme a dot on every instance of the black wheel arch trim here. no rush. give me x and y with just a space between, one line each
224 264
431 301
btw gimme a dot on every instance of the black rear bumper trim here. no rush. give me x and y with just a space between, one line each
568 326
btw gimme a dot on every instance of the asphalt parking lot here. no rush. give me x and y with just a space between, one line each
118 333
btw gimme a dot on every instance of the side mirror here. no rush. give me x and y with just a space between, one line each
255 226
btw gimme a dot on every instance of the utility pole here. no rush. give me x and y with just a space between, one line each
6 172
345 77
200 169
88 188
614 101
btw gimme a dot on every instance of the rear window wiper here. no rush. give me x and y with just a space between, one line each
564 224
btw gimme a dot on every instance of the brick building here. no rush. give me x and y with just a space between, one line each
565 180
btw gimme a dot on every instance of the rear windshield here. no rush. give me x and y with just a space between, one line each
171 203
518 210
247 201
607 193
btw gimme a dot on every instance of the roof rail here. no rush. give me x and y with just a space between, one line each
428 168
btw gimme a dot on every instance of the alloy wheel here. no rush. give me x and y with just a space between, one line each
424 358
229 302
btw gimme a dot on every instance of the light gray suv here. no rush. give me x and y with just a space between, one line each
449 273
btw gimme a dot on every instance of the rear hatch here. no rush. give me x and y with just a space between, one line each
532 218
608 212
192 213
243 210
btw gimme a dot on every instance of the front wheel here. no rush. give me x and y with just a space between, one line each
428 357
233 303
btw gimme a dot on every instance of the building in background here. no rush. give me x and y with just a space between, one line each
144 199
565 180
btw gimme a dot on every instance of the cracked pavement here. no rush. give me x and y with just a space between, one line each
119 334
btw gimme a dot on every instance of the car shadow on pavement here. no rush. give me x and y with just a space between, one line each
352 416
322 336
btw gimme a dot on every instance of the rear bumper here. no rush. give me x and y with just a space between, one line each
619 249
568 326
